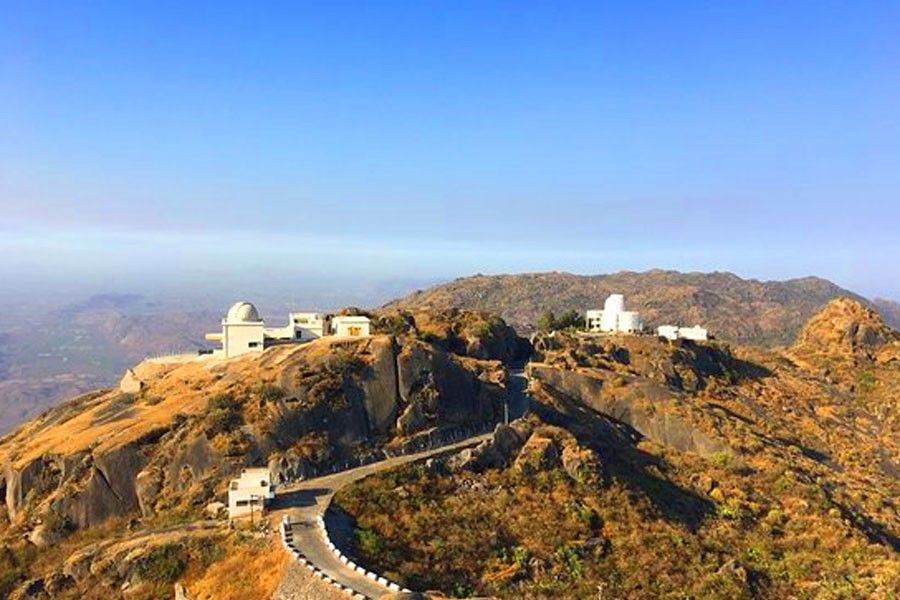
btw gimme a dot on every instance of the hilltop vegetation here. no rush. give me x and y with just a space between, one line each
112 466
744 311
655 469
647 467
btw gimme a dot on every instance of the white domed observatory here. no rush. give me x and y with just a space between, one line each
242 330
614 318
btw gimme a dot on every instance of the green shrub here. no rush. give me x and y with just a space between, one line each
222 415
209 551
164 564
57 522
569 556
344 361
369 542
11 570
271 393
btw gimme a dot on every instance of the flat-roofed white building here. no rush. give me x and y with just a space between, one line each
670 332
673 332
614 318
250 493
351 326
309 325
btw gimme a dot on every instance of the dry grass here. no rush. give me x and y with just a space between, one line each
184 388
250 570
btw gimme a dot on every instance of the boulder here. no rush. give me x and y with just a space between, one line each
40 473
494 453
216 509
413 418
581 464
538 454
447 392
287 467
94 503
147 485
130 384
120 467
379 386
196 458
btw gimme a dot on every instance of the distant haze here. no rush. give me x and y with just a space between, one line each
347 152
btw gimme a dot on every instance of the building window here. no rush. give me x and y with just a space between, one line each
253 345
242 502
299 335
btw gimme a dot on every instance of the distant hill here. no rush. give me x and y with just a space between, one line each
747 311
86 345
889 309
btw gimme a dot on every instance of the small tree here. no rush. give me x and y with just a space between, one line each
547 321
567 320
570 319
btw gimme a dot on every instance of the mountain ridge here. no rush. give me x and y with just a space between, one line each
746 311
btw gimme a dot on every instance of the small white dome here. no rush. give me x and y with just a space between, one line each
615 303
242 312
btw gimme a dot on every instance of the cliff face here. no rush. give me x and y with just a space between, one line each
669 469
181 429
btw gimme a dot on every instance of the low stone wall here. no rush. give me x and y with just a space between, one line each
426 441
287 540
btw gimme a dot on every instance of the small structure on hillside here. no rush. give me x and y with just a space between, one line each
673 332
614 318
243 330
350 326
249 494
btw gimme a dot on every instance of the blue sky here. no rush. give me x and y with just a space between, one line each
167 144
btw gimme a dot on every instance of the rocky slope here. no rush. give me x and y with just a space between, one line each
739 310
166 442
666 469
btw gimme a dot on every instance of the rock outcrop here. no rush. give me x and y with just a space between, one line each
435 388
649 409
847 329
495 453
179 431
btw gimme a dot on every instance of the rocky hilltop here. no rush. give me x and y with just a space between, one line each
657 469
646 467
164 444
744 311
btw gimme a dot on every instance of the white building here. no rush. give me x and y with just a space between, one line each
250 493
673 332
308 325
350 326
614 318
242 331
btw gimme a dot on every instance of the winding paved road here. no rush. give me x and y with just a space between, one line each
308 500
